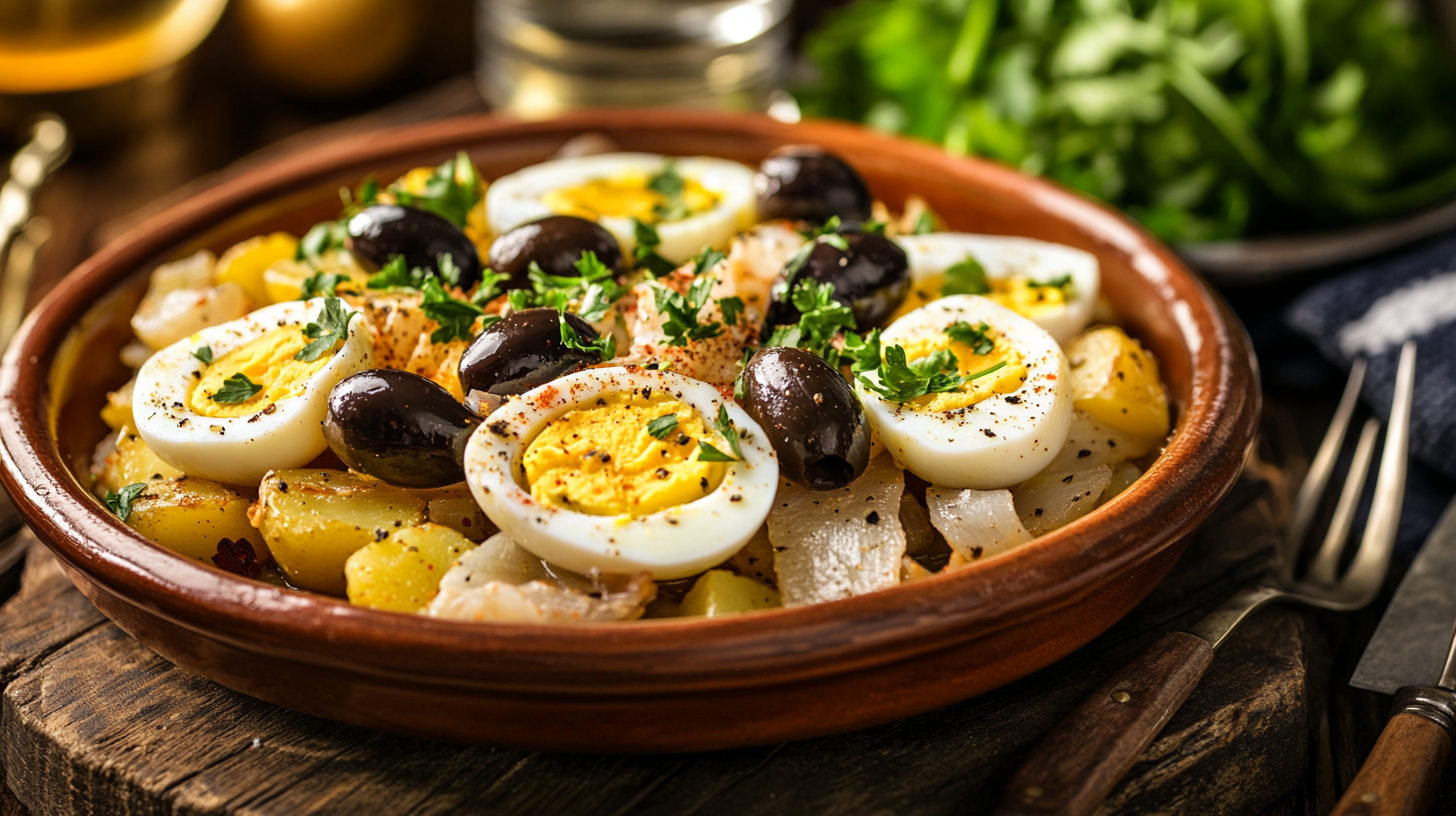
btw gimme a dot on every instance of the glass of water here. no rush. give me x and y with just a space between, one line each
542 57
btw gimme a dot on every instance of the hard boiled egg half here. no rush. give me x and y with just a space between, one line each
610 469
1055 286
203 419
995 430
692 202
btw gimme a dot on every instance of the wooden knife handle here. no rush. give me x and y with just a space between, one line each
1401 775
1074 767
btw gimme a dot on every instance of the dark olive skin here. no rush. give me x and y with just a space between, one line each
555 243
872 278
522 351
808 183
399 427
811 416
380 232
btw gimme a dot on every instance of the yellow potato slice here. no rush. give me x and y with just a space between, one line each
244 263
1116 381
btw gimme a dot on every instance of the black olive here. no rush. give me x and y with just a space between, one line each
811 417
808 183
522 351
399 427
871 277
555 243
378 233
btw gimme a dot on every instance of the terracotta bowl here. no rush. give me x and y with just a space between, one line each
655 685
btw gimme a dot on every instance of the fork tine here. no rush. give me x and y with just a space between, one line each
1367 572
1323 569
1320 470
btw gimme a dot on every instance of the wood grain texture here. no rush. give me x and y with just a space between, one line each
1402 773
95 723
1073 769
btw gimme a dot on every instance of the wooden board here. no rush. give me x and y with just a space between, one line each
94 723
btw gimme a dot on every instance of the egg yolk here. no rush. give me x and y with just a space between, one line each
628 196
267 361
602 459
1003 380
1017 293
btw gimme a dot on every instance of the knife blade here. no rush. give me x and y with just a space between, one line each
1410 644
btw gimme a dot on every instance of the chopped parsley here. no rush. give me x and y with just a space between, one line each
902 381
682 326
707 259
456 317
489 288
669 184
321 238
451 191
976 337
1063 282
120 501
604 347
332 326
321 284
924 223
235 389
449 272
966 278
732 309
862 353
821 318
394 275
203 353
663 426
708 453
644 254
594 290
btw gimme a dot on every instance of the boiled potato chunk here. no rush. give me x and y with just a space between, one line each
245 262
1116 381
132 462
190 516
313 520
720 592
457 509
402 573
283 280
117 413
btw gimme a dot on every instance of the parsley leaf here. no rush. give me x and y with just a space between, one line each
203 353
367 195
682 325
663 426
669 184
901 381
1063 282
707 259
732 309
120 501
821 318
601 288
321 238
235 389
966 278
974 336
449 272
708 453
489 288
394 275
456 317
863 353
924 223
644 254
829 227
451 191
604 347
321 284
332 326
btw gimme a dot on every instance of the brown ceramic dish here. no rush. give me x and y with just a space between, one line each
654 685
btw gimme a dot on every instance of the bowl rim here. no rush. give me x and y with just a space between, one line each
1203 457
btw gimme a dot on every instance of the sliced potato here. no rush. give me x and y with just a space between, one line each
131 462
1116 381
190 516
455 508
720 592
313 520
245 262
402 573
117 413
283 279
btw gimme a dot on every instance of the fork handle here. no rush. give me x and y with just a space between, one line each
1074 768
1400 776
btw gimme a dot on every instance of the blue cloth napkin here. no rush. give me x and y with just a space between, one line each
1369 312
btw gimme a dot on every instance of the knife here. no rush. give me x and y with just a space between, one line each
1414 645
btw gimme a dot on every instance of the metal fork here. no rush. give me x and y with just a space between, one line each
1073 769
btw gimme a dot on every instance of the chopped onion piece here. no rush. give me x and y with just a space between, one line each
976 523
1051 500
1090 443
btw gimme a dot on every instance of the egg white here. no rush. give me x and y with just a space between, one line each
672 543
1002 257
516 199
996 443
239 450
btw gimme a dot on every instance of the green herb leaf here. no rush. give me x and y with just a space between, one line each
708 453
1063 282
901 381
120 501
203 353
489 288
863 353
732 308
729 431
332 327
924 223
456 317
321 284
740 388
668 184
321 238
821 319
644 254
681 325
605 346
966 278
829 227
451 191
449 272
394 275
973 336
706 259
235 389
663 426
